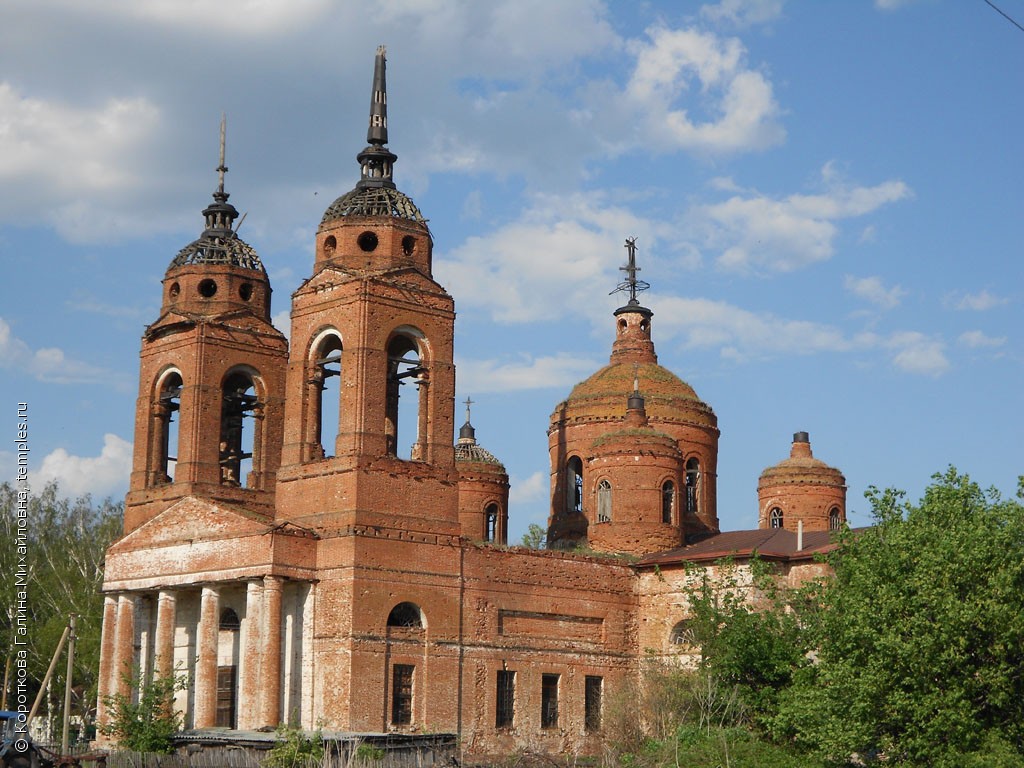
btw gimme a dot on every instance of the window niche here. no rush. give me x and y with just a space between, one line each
167 439
325 392
240 417
775 518
549 701
604 502
834 520
405 414
574 485
692 486
401 693
491 523
668 501
505 699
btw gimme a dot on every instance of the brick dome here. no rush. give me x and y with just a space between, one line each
668 398
801 468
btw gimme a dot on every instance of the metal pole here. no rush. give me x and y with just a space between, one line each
67 685
46 677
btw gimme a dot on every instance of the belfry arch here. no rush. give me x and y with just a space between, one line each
406 412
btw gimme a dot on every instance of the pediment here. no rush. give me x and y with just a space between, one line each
191 520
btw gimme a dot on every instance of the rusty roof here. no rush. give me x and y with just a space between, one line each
769 543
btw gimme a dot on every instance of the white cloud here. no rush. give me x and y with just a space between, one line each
758 232
872 289
915 352
743 12
527 373
978 340
101 475
49 363
69 162
981 301
283 322
530 489
729 107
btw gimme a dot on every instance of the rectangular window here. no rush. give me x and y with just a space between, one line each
401 694
506 707
592 703
549 701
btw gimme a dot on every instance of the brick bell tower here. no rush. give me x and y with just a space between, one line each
371 380
209 415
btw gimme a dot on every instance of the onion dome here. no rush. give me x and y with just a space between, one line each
375 194
801 468
219 245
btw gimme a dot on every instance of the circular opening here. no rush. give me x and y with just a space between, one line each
330 244
367 241
622 326
643 326
245 291
408 245
174 290
207 288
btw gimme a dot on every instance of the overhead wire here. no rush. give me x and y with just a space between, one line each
1002 13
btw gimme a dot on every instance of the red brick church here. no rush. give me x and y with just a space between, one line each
281 554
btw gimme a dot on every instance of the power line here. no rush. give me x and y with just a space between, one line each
1003 14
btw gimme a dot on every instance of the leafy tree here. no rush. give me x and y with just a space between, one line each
535 537
920 635
295 749
66 544
149 723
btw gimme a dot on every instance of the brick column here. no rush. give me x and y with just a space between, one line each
106 684
164 647
124 646
249 684
206 659
270 661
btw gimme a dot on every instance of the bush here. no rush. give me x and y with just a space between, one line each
149 724
295 749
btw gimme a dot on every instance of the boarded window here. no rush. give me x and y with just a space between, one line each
401 695
506 699
593 688
834 522
604 502
668 500
549 701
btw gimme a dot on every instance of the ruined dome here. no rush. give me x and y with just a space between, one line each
471 452
801 468
218 248
373 201
668 398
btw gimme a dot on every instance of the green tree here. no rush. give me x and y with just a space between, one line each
920 636
66 544
535 537
148 722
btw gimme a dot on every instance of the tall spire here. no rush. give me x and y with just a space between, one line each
376 160
467 434
220 215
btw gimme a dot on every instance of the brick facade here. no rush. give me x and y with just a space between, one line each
356 578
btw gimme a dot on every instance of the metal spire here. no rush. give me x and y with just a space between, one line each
220 215
468 403
222 169
376 160
631 283
467 435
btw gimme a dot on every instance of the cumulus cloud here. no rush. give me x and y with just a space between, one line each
743 12
872 289
914 352
728 107
980 340
49 363
981 301
69 162
103 475
525 373
529 489
751 231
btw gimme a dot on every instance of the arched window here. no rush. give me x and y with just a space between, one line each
775 518
491 523
326 379
238 439
668 500
406 615
168 402
604 502
682 633
834 522
574 485
229 620
407 413
692 485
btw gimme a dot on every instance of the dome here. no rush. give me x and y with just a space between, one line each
218 249
471 452
373 201
801 468
668 398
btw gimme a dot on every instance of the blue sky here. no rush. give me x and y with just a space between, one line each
827 200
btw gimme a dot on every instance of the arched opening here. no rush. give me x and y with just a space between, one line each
168 403
325 380
692 485
682 634
491 522
406 615
239 441
604 502
834 521
775 518
574 485
228 649
668 501
405 415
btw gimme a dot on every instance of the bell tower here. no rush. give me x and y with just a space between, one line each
209 415
371 379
